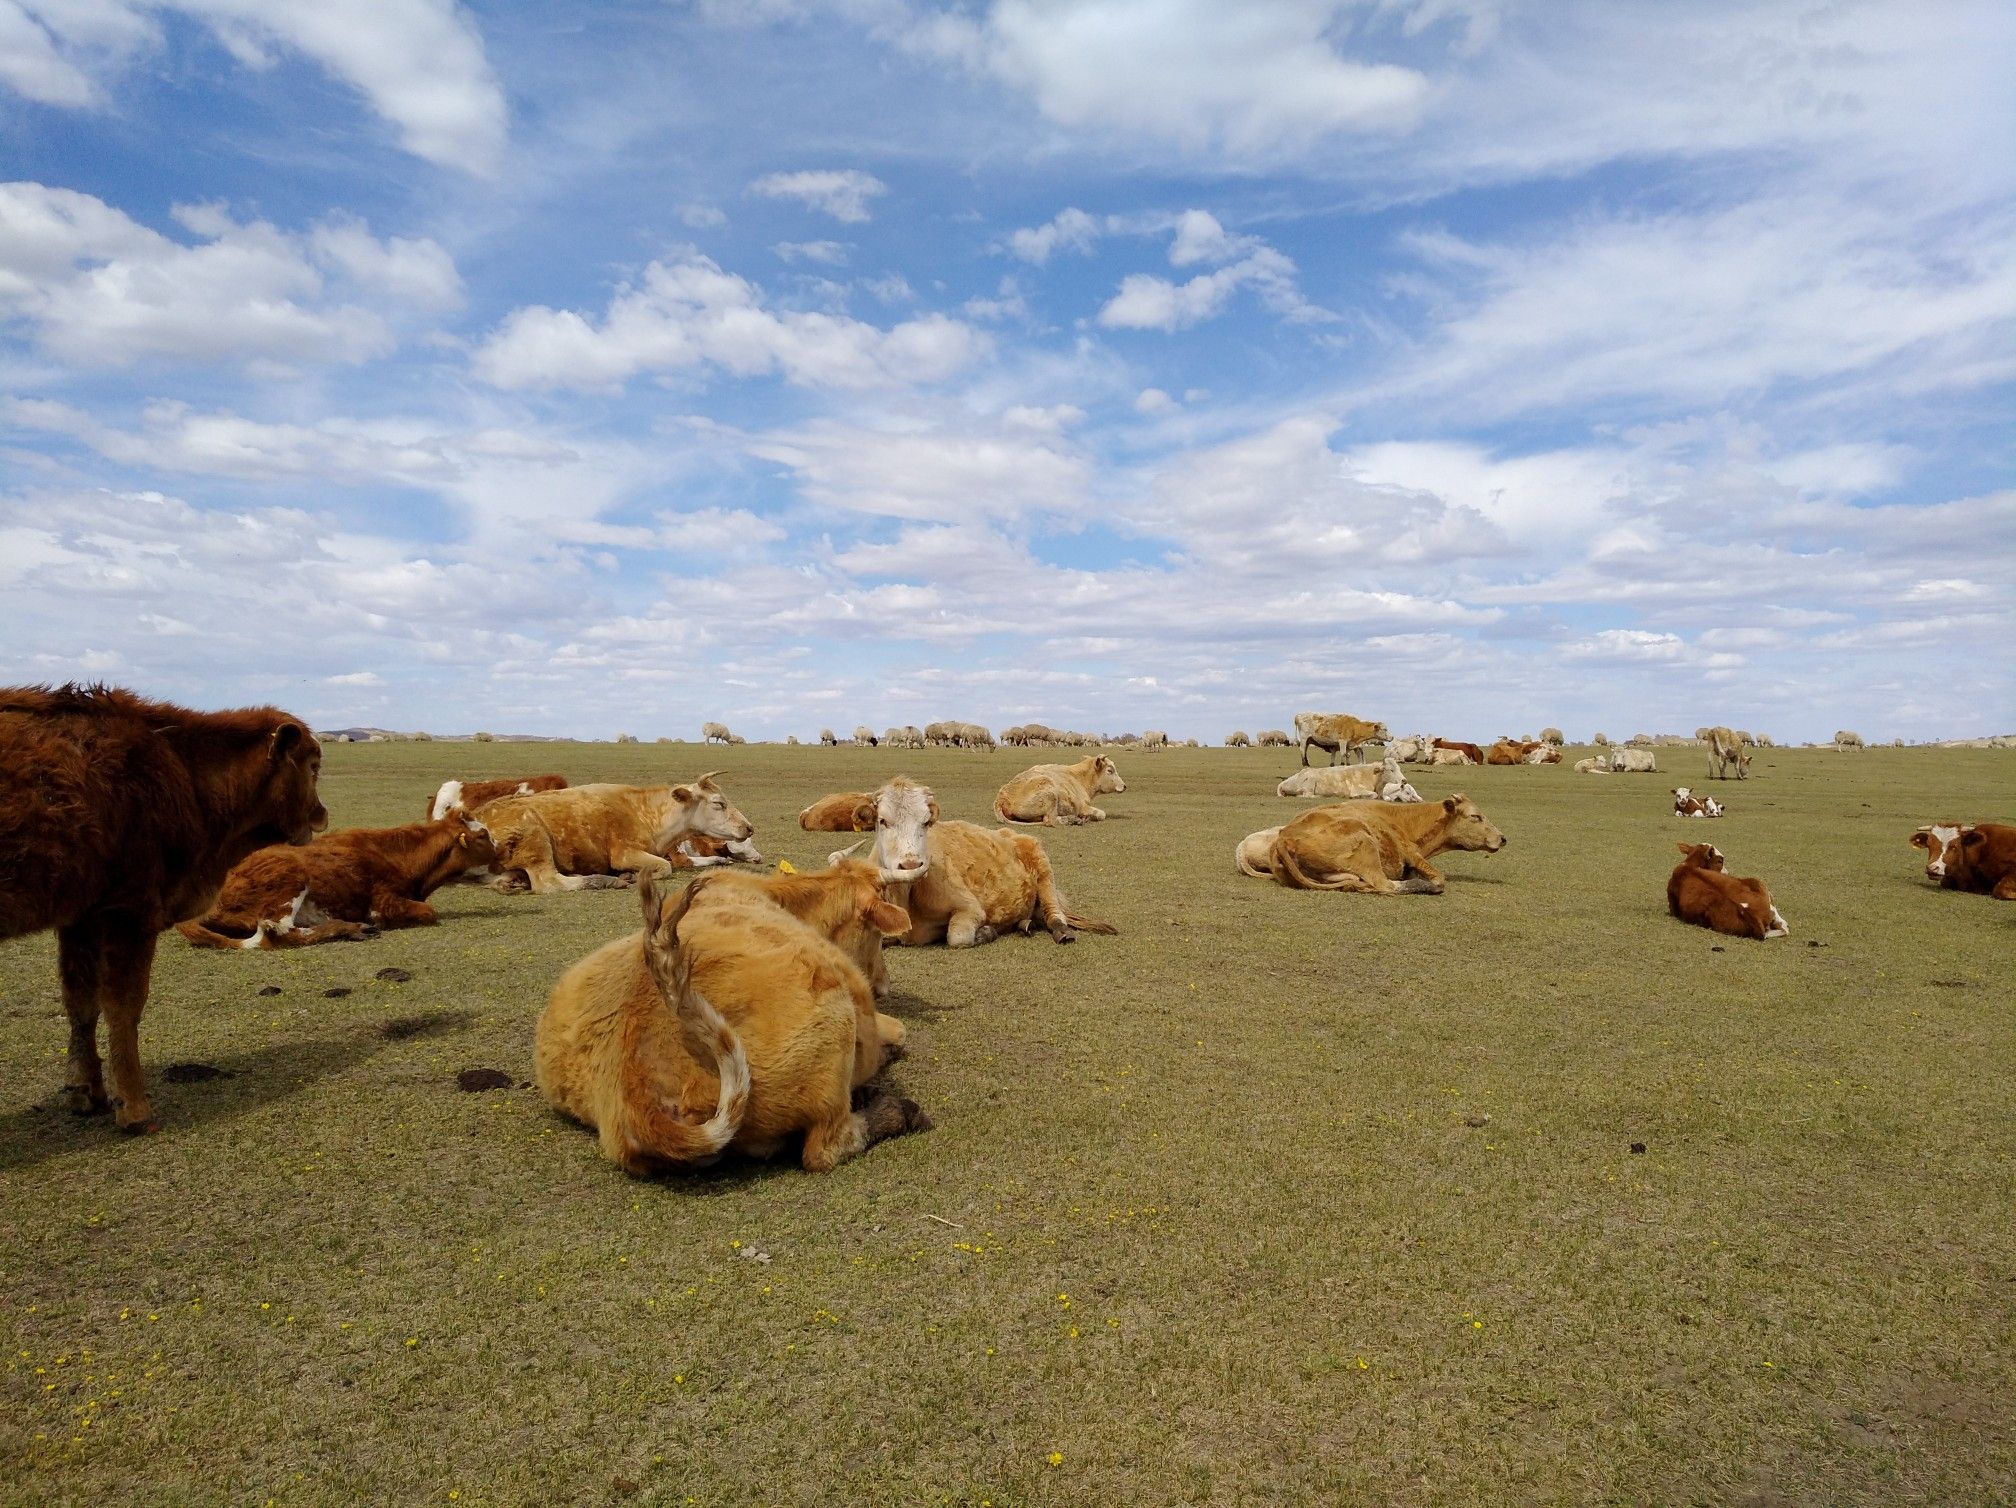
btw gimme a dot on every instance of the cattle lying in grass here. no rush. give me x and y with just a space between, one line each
1337 733
1633 762
1450 756
1687 804
1543 753
1368 847
473 795
342 886
1600 765
1509 751
704 852
1418 749
1978 857
1059 795
593 836
1470 752
1350 781
1725 752
728 1023
963 884
1238 740
845 904
120 816
841 812
1699 892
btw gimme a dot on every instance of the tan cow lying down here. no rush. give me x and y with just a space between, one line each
1059 795
1372 848
841 812
473 795
585 837
341 886
961 883
1699 892
731 1022
1351 781
1450 756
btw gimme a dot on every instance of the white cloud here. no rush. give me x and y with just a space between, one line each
1152 400
419 63
845 194
356 678
831 253
97 288
687 314
1071 230
1146 302
1242 81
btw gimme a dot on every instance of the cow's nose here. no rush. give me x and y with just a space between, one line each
910 864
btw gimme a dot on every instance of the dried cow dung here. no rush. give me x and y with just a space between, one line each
476 1080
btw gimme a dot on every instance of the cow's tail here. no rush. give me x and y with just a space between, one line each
655 1131
200 934
1063 922
1289 871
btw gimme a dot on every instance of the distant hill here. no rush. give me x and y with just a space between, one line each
388 735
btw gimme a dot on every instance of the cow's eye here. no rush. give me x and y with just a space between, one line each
884 822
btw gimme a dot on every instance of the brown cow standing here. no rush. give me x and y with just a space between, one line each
342 885
120 816
1699 892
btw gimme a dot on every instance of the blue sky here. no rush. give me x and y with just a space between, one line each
1474 364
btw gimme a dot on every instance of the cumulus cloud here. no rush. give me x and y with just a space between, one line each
687 314
831 253
845 195
92 286
1147 302
1070 230
420 64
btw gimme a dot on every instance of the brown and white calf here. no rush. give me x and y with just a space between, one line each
473 795
341 886
1698 891
1687 804
120 816
1978 857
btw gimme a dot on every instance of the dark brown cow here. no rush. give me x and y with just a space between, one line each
1476 754
341 886
473 795
120 816
1699 892
1979 857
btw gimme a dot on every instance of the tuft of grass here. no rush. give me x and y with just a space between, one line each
1276 1196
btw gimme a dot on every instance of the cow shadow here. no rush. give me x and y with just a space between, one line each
906 1006
218 1090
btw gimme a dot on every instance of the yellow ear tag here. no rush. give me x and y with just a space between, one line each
785 866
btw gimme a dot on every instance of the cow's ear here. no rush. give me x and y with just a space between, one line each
1922 838
1973 837
287 738
889 920
1449 803
682 794
864 817
1686 848
931 807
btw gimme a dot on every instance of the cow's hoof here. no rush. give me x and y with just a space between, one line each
1063 934
145 1125
984 935
81 1101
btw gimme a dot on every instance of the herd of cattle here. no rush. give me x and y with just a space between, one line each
743 1015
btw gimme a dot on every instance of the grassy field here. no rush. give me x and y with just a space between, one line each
1522 1193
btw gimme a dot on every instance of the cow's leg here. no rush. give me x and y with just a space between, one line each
80 967
129 960
967 926
1418 876
848 1133
391 910
647 865
321 932
1305 753
2005 888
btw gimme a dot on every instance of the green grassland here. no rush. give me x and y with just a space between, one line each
1275 1197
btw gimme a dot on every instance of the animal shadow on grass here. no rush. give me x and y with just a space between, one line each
905 1006
243 1082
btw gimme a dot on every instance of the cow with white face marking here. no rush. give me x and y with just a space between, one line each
1687 804
1978 857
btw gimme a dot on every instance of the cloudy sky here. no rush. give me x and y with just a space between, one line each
1475 364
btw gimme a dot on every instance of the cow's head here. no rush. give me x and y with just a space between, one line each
1106 779
702 808
293 810
478 850
901 816
1468 828
1943 844
1702 856
1380 734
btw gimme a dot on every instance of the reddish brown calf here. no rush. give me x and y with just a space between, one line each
341 886
1699 892
120 816
1978 857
